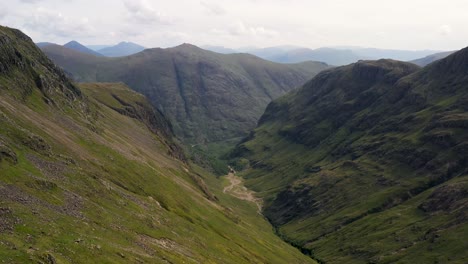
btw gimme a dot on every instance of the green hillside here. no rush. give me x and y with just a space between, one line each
368 163
213 100
92 174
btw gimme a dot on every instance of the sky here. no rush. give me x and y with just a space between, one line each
395 24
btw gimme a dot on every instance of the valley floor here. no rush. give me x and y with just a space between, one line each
237 189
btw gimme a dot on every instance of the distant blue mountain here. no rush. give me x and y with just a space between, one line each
121 49
74 45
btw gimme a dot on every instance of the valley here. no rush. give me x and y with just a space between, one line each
123 154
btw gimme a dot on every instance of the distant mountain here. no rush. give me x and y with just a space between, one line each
367 163
330 55
74 45
431 58
121 49
327 55
220 49
401 55
43 44
97 47
209 97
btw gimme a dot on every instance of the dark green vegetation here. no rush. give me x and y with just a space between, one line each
93 175
212 100
368 163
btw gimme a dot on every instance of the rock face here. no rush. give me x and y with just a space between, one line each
390 140
19 57
208 97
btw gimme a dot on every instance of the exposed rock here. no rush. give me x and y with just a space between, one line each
447 198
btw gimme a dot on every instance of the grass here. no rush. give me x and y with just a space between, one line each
121 199
344 170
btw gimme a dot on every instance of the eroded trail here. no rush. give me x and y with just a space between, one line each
237 189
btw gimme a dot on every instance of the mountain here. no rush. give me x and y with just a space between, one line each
121 49
74 45
431 58
367 163
43 44
211 99
92 173
97 47
402 55
330 55
219 49
327 55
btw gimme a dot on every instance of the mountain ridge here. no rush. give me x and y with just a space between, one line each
370 152
122 49
211 99
75 45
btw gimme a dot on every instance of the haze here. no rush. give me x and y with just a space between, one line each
397 24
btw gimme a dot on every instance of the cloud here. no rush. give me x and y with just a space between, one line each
213 9
54 23
140 11
445 30
3 12
239 29
30 1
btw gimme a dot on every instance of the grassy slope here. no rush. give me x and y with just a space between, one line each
213 100
80 181
362 166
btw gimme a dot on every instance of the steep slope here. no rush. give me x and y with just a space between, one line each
92 174
367 163
74 45
431 58
208 97
121 49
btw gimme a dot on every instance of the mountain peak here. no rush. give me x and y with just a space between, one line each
124 48
75 45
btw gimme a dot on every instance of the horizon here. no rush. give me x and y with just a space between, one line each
238 49
259 23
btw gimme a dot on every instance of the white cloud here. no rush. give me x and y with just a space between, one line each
54 23
445 30
213 8
30 1
239 28
141 11
3 12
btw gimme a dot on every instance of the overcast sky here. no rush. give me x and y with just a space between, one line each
397 24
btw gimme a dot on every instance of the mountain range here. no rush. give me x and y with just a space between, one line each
93 173
74 45
211 99
122 49
331 55
367 163
362 163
